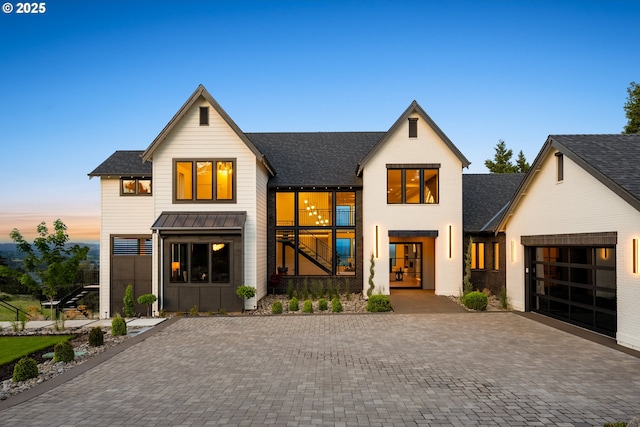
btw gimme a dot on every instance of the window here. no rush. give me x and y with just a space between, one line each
559 167
412 185
131 246
413 128
315 234
477 256
135 187
200 262
207 185
496 256
204 116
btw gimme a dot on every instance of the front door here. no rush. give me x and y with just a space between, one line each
405 265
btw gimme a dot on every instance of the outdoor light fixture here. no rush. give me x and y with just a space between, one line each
376 241
513 250
635 256
450 243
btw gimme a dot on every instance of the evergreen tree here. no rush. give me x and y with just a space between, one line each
632 109
522 164
501 162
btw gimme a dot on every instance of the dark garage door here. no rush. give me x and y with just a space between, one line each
576 284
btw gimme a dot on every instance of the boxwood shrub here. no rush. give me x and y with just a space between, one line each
378 303
336 305
293 304
476 301
307 307
276 308
96 337
118 326
25 368
322 304
63 352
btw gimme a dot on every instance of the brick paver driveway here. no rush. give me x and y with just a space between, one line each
349 370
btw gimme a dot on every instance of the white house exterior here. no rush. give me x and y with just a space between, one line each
206 208
572 232
424 227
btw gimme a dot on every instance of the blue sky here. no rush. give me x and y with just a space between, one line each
87 78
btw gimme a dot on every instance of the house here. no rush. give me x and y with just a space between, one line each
485 198
206 208
572 230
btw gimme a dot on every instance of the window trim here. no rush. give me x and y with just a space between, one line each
204 116
478 263
559 167
422 167
413 127
209 241
136 179
214 162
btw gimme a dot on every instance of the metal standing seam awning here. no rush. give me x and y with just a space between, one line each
413 233
199 222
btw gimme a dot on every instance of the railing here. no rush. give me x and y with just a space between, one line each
319 249
14 308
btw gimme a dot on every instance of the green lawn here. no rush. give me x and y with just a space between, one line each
13 348
22 302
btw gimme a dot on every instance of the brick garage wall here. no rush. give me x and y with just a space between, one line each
489 278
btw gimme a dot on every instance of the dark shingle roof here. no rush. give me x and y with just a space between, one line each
123 163
315 158
616 156
484 197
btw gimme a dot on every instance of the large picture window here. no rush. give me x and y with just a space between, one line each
204 180
200 262
315 233
412 185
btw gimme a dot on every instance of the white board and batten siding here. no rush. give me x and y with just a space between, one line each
578 204
427 148
189 141
120 216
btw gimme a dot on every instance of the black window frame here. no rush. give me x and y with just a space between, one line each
559 167
413 127
422 168
204 116
194 181
137 186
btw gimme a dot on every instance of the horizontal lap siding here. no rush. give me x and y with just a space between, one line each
189 140
579 204
121 215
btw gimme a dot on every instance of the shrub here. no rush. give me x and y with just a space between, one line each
307 307
148 300
475 300
289 289
96 337
128 309
378 303
118 326
504 299
322 304
63 352
336 305
276 308
246 292
293 304
193 311
25 368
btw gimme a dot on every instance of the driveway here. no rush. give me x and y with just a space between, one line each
462 369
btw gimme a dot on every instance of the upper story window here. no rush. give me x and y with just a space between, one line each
412 184
205 180
135 186
204 116
413 128
559 167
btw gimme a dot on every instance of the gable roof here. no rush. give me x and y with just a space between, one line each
123 163
611 159
315 158
485 197
414 107
201 92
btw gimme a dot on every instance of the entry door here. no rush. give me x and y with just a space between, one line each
405 265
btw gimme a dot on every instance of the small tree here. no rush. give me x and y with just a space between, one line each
521 163
128 309
632 109
55 265
148 300
372 272
501 162
466 281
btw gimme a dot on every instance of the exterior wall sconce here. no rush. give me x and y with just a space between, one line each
450 243
635 256
376 242
513 250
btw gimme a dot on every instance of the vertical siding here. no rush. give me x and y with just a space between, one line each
120 215
426 148
579 204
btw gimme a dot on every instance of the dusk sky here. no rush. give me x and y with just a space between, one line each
87 78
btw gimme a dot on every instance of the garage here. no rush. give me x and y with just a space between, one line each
576 284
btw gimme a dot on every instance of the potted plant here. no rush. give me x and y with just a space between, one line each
245 292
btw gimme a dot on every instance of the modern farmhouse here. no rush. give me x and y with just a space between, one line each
206 208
